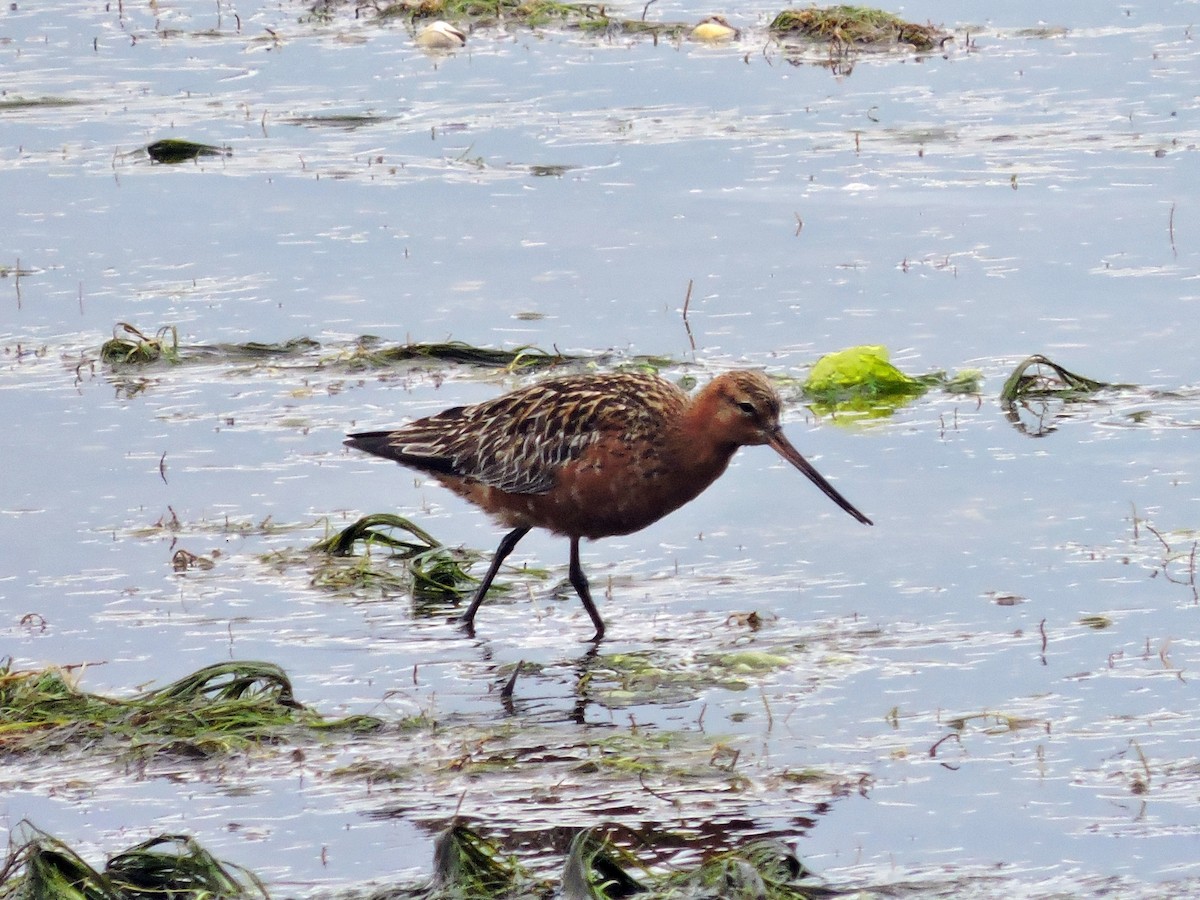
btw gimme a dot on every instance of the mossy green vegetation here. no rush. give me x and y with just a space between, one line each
859 26
219 709
167 866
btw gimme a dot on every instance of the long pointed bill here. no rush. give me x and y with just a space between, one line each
784 448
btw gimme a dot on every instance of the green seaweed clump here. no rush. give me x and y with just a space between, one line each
432 570
130 346
862 380
860 26
467 865
1034 397
598 869
1030 381
168 866
217 709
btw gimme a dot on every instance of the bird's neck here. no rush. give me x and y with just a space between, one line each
704 450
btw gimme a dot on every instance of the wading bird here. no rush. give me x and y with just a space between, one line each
590 456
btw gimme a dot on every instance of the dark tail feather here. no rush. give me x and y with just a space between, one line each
383 443
378 443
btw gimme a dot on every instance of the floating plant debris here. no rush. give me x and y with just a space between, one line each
173 150
14 103
860 26
431 569
861 379
131 346
169 865
219 709
460 352
1029 380
1035 395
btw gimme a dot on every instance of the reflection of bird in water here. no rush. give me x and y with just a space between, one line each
590 456
713 29
440 35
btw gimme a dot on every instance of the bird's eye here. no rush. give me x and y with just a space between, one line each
747 407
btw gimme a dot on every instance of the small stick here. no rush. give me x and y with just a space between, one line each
934 749
653 793
1154 531
687 301
767 706
1171 229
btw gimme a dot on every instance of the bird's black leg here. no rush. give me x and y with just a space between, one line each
580 583
505 548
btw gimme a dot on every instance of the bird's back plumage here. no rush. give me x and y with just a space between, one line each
517 443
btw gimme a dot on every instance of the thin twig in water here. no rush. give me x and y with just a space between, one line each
1171 230
653 793
687 301
1154 531
1163 649
934 749
1142 757
649 3
1192 574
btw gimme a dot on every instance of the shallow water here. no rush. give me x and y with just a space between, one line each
1031 192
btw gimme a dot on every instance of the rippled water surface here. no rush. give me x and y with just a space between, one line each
994 683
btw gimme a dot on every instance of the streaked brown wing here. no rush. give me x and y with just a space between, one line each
518 442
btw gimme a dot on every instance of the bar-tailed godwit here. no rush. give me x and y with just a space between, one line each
590 456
